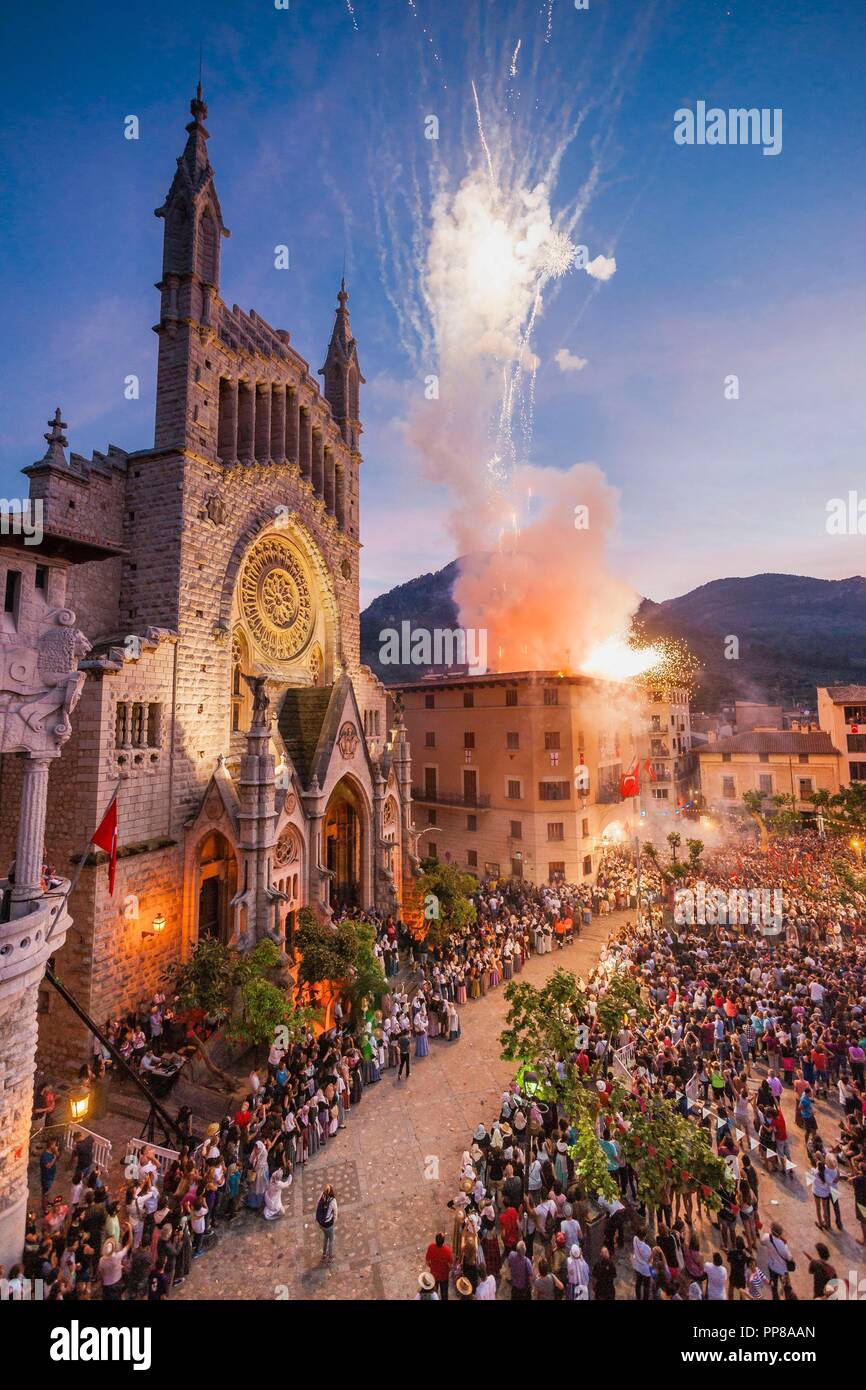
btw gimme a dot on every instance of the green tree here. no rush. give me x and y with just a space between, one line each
695 849
849 807
590 1161
540 1027
621 995
447 895
787 816
263 1008
342 953
206 980
672 1154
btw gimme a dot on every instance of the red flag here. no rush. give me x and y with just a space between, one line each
105 837
650 770
629 783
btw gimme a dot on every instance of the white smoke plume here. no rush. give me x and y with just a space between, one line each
492 245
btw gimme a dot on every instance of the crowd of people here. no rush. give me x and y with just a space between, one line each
138 1241
744 1034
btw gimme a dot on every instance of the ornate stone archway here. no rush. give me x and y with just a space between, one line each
216 881
346 846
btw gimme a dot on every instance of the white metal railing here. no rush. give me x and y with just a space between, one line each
163 1158
69 1134
623 1061
101 1146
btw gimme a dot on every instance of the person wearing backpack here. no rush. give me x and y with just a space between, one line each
326 1219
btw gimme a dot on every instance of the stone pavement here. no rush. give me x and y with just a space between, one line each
393 1168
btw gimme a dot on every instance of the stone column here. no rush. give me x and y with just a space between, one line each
318 473
257 818
227 445
329 482
263 422
293 424
278 423
305 455
246 421
31 833
341 504
18 1027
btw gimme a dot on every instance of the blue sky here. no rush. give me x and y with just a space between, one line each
727 261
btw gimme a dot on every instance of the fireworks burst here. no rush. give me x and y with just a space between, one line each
557 256
676 665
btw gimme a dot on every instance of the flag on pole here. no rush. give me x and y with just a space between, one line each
105 838
650 770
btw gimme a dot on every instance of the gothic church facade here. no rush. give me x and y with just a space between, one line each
259 765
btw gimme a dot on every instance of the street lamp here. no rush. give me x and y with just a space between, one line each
79 1104
157 927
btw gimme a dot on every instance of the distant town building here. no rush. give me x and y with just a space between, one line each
842 714
751 714
670 736
773 763
518 775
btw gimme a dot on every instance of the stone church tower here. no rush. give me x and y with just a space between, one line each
259 765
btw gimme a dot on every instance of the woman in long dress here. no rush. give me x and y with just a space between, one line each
421 1045
274 1195
258 1176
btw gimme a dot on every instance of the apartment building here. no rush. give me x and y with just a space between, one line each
772 762
842 715
670 747
519 774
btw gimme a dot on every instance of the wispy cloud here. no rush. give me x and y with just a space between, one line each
568 361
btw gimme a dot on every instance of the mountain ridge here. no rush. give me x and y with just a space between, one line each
794 632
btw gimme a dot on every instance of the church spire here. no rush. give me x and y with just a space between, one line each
342 373
193 218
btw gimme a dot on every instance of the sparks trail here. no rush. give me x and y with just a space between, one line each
482 136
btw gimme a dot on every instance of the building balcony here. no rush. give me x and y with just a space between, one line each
28 942
608 795
479 802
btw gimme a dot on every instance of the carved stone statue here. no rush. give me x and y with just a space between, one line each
40 687
261 699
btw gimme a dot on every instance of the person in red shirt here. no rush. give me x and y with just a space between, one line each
821 1063
439 1260
244 1115
509 1224
780 1129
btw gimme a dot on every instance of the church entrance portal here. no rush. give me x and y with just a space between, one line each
343 832
217 877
